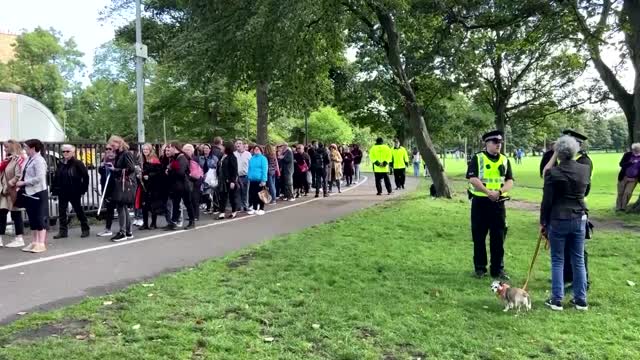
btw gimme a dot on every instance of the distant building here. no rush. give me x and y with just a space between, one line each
6 50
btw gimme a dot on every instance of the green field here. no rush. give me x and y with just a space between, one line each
528 184
390 282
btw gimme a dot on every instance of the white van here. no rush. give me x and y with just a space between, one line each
22 118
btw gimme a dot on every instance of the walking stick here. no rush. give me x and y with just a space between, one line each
104 191
533 260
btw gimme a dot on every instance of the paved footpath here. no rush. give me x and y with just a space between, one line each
74 268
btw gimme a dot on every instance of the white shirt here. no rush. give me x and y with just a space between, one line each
243 162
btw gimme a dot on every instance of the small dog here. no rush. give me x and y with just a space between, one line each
512 297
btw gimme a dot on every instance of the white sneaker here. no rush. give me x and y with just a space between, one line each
251 212
292 199
179 223
105 233
17 242
260 212
1 243
221 216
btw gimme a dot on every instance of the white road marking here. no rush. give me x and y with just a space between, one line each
135 241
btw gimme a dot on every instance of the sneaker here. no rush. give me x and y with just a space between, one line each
129 235
85 234
260 212
221 216
580 305
190 225
292 199
16 243
59 236
170 227
251 212
28 247
105 233
120 236
555 305
233 215
38 248
180 223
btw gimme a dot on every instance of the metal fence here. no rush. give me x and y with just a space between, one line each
91 155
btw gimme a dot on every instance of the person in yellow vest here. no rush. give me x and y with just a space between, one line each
380 156
399 163
490 180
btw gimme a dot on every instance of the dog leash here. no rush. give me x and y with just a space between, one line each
533 260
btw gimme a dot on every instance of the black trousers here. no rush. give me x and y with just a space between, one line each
18 223
320 181
254 200
488 217
63 204
399 177
387 182
110 209
230 196
185 196
195 197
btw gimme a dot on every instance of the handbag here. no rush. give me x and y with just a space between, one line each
265 195
125 191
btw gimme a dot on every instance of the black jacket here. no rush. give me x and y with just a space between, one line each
227 172
179 174
545 159
320 159
564 190
71 179
124 165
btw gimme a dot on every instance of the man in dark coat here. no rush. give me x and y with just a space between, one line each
70 183
286 171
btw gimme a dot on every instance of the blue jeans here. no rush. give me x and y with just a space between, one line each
416 169
272 186
568 233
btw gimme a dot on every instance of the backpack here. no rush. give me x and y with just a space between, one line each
195 171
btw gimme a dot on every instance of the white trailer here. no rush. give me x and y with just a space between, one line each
23 118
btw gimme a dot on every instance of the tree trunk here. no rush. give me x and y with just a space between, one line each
418 126
262 101
501 116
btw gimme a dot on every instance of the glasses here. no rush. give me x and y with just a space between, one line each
108 149
66 151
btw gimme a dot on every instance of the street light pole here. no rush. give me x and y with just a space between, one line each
141 55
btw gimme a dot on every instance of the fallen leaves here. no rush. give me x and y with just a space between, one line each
315 326
107 303
631 283
135 327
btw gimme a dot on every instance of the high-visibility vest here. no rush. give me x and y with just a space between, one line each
489 174
400 158
380 153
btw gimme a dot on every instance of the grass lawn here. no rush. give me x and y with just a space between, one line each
390 282
528 184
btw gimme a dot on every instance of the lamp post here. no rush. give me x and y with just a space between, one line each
141 55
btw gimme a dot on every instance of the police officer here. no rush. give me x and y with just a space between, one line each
490 179
399 163
380 156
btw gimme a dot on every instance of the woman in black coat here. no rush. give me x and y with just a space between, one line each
180 186
228 182
123 196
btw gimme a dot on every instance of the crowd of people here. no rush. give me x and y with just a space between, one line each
221 179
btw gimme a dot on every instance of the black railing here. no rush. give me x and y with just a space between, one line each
91 155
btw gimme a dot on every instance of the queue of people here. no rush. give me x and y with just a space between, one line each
216 177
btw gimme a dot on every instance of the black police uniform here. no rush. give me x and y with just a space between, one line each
488 216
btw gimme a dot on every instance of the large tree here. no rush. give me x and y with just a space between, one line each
599 22
406 37
519 56
44 68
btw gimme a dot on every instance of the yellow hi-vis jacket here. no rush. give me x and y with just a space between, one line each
489 174
400 158
381 154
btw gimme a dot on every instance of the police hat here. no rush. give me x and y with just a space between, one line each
493 135
379 141
575 135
